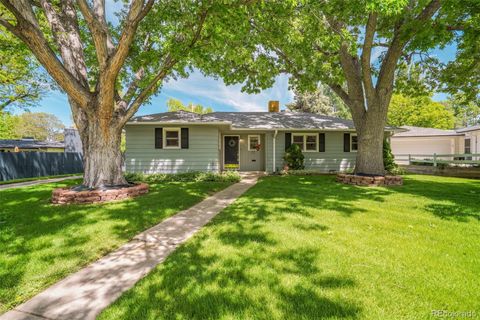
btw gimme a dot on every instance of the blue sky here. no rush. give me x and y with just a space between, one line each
199 89
206 91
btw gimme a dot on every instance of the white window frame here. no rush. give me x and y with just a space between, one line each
259 141
164 138
351 142
304 135
469 146
298 135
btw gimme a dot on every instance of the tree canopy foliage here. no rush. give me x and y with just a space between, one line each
22 83
461 76
176 105
8 124
40 125
322 101
109 69
354 47
467 113
419 112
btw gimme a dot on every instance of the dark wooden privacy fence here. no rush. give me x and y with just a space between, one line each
18 165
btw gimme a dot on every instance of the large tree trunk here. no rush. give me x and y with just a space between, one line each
370 129
370 150
102 157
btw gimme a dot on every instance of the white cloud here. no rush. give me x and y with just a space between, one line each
199 86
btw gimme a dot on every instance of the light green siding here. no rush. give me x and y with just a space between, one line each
268 152
141 155
333 159
204 153
252 160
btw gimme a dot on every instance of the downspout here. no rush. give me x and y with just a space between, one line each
274 140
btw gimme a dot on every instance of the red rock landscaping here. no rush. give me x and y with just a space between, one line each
69 196
370 181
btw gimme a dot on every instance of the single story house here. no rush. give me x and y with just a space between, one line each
428 141
183 141
30 144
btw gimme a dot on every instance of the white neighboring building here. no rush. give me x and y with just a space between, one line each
471 138
429 141
72 140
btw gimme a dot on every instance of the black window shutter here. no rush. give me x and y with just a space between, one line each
321 142
288 140
184 134
158 138
346 142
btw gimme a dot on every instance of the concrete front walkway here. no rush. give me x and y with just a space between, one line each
86 293
35 182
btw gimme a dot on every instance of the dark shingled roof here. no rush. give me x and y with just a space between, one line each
251 120
411 131
30 144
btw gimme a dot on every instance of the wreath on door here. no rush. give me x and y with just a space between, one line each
232 143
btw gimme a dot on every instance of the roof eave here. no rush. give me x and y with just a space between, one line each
177 123
430 136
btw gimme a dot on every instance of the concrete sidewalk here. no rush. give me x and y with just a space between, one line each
86 293
35 182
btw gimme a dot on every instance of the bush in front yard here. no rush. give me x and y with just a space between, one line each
229 176
294 157
388 158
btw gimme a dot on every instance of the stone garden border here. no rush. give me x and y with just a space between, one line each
69 196
369 181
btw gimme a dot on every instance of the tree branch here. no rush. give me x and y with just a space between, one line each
16 98
340 92
28 30
367 55
10 27
387 70
148 90
133 86
67 36
98 28
164 70
136 13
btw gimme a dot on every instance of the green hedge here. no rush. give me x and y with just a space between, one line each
302 173
228 176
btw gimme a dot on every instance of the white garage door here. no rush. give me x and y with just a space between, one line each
422 146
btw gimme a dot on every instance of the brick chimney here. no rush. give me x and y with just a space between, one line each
273 106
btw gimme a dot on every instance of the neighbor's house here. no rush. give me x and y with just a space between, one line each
429 141
246 141
71 143
30 144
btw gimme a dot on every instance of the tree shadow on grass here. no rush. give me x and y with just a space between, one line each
195 283
238 268
455 199
41 242
460 213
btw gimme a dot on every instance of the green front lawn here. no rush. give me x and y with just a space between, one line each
39 178
42 243
308 248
